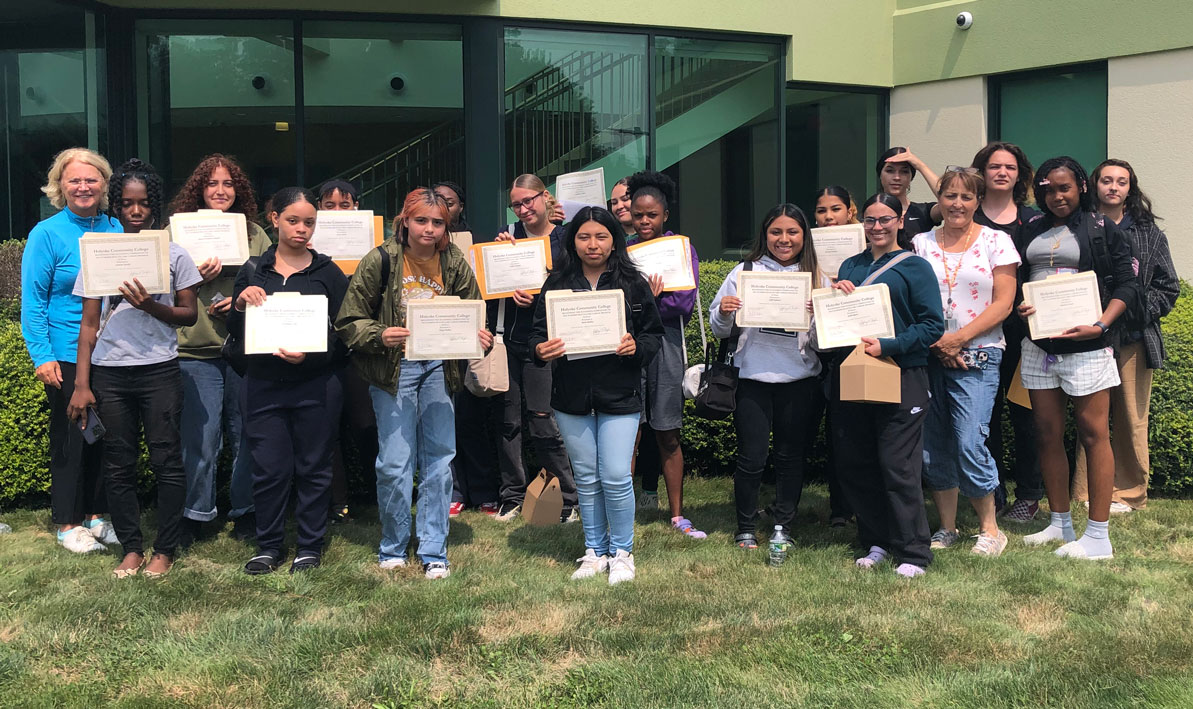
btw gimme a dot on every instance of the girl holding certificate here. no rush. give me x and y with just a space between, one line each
412 398
1078 364
879 454
598 400
291 400
652 194
529 394
896 169
778 378
77 186
128 371
975 272
834 207
210 387
1140 348
1007 173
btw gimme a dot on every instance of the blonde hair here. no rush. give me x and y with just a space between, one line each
528 181
53 185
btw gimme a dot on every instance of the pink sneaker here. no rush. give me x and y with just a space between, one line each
455 509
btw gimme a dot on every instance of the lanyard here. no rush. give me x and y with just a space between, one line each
950 280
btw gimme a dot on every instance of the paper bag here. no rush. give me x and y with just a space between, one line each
544 502
874 380
1016 394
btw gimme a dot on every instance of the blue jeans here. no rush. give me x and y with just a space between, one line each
955 452
211 400
600 447
415 429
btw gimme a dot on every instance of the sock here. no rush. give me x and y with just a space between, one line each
1059 529
92 523
909 570
1094 543
62 535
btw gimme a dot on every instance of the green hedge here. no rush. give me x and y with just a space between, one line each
709 446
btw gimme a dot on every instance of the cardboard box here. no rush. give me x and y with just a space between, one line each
544 502
874 380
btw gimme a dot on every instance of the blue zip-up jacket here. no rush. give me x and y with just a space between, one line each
50 311
915 304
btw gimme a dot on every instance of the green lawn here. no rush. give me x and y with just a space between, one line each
705 624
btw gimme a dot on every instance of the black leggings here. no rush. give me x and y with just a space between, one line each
762 408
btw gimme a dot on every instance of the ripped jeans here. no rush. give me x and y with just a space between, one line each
530 395
955 452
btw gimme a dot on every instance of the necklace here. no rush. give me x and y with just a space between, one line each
950 279
1054 247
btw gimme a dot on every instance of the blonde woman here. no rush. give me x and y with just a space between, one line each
77 185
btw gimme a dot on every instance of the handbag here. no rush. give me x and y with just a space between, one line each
490 375
716 393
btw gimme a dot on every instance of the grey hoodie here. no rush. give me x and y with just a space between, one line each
764 354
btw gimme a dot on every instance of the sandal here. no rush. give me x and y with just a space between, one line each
157 560
126 569
304 562
262 564
685 525
746 540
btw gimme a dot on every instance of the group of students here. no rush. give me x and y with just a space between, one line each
158 362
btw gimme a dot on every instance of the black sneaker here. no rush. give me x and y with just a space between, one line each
340 516
244 527
305 561
569 514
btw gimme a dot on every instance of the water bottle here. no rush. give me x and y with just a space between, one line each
778 547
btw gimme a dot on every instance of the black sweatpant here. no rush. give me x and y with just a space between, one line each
289 425
532 382
838 506
76 475
357 417
475 473
761 409
880 456
129 398
1025 473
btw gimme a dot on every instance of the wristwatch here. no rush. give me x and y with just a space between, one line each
1102 325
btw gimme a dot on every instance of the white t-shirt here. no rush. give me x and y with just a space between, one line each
973 289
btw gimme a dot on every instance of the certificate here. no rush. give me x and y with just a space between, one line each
343 234
503 267
834 244
209 233
774 299
577 190
287 321
108 260
666 256
1062 302
444 329
588 322
843 320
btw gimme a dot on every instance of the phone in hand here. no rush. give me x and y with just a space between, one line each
94 429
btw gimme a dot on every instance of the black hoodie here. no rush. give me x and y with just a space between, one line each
321 277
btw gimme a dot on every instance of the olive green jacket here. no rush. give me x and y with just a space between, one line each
361 331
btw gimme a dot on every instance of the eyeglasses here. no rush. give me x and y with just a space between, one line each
869 222
958 168
80 181
525 203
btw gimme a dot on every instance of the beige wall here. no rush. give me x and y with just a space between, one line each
943 122
1150 121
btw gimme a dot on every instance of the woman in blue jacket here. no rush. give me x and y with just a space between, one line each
50 316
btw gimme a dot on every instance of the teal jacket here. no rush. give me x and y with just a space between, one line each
915 304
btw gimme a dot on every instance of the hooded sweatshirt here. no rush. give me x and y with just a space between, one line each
764 354
675 307
50 311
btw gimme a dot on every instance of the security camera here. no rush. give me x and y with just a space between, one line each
964 21
259 82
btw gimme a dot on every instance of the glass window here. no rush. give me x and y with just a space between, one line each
218 87
834 137
1059 111
51 71
383 105
717 136
574 101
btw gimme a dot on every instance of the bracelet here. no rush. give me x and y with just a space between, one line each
1102 325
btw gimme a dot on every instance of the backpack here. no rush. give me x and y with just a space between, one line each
1135 318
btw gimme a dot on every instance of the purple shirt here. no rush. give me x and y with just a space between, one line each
675 307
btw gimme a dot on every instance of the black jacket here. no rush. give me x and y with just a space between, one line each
321 277
1116 280
608 384
518 320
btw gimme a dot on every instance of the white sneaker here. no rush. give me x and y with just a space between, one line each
436 570
390 564
590 565
621 567
80 541
1120 508
5 529
103 533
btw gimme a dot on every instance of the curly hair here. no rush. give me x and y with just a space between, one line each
53 186
982 157
190 197
134 170
1137 203
1063 162
653 184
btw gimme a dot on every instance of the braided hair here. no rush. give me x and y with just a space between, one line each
135 170
1040 185
652 184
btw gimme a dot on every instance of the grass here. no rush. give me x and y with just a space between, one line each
704 625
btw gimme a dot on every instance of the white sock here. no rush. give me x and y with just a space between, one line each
1059 529
1095 543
